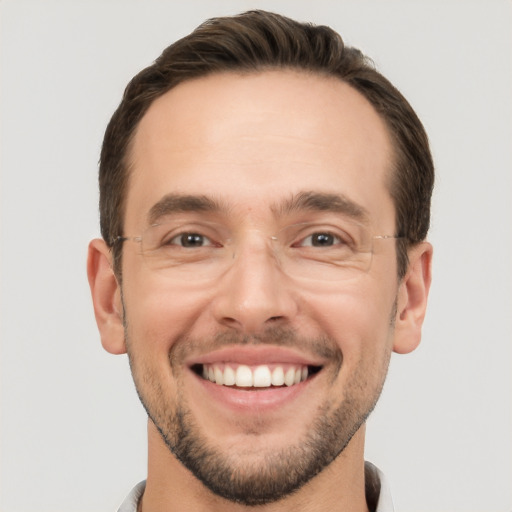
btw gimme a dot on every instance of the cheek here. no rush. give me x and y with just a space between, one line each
159 313
358 318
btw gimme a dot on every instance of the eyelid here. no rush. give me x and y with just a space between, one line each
179 235
166 233
337 239
291 235
300 232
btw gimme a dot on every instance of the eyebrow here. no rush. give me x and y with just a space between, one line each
303 201
322 202
176 203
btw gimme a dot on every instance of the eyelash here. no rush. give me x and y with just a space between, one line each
180 240
336 239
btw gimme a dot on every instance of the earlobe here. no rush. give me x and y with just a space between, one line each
412 299
106 297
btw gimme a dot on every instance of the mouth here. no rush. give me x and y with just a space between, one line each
247 377
254 379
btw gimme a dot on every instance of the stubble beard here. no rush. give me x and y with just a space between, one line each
274 474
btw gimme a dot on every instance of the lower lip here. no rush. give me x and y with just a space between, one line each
251 400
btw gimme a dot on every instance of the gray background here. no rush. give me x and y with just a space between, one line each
72 430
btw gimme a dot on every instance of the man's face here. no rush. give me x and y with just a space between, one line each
238 153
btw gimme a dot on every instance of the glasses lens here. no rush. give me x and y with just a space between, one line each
186 250
325 251
205 250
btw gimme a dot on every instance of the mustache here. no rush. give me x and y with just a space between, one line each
321 346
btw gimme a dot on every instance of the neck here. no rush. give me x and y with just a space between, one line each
171 486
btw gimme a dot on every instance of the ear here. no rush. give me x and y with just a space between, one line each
412 299
106 297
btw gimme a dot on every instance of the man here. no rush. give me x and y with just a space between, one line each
265 198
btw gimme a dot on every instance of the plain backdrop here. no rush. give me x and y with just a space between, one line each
73 434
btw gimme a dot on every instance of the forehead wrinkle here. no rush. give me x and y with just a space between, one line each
179 203
321 202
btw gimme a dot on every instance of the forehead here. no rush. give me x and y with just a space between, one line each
253 140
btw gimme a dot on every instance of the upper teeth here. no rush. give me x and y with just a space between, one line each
261 376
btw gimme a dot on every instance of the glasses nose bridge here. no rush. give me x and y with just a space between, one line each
253 291
254 244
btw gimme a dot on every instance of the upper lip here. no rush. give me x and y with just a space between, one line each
255 355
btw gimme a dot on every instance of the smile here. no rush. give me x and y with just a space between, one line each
254 379
260 376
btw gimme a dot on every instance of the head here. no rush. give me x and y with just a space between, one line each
268 147
257 41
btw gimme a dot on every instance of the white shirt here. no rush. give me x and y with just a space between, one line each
377 491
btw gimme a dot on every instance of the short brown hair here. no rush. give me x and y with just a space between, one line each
252 42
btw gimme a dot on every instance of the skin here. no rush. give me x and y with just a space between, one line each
251 142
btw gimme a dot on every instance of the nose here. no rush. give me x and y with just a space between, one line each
254 293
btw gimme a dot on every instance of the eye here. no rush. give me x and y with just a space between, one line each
190 240
321 239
